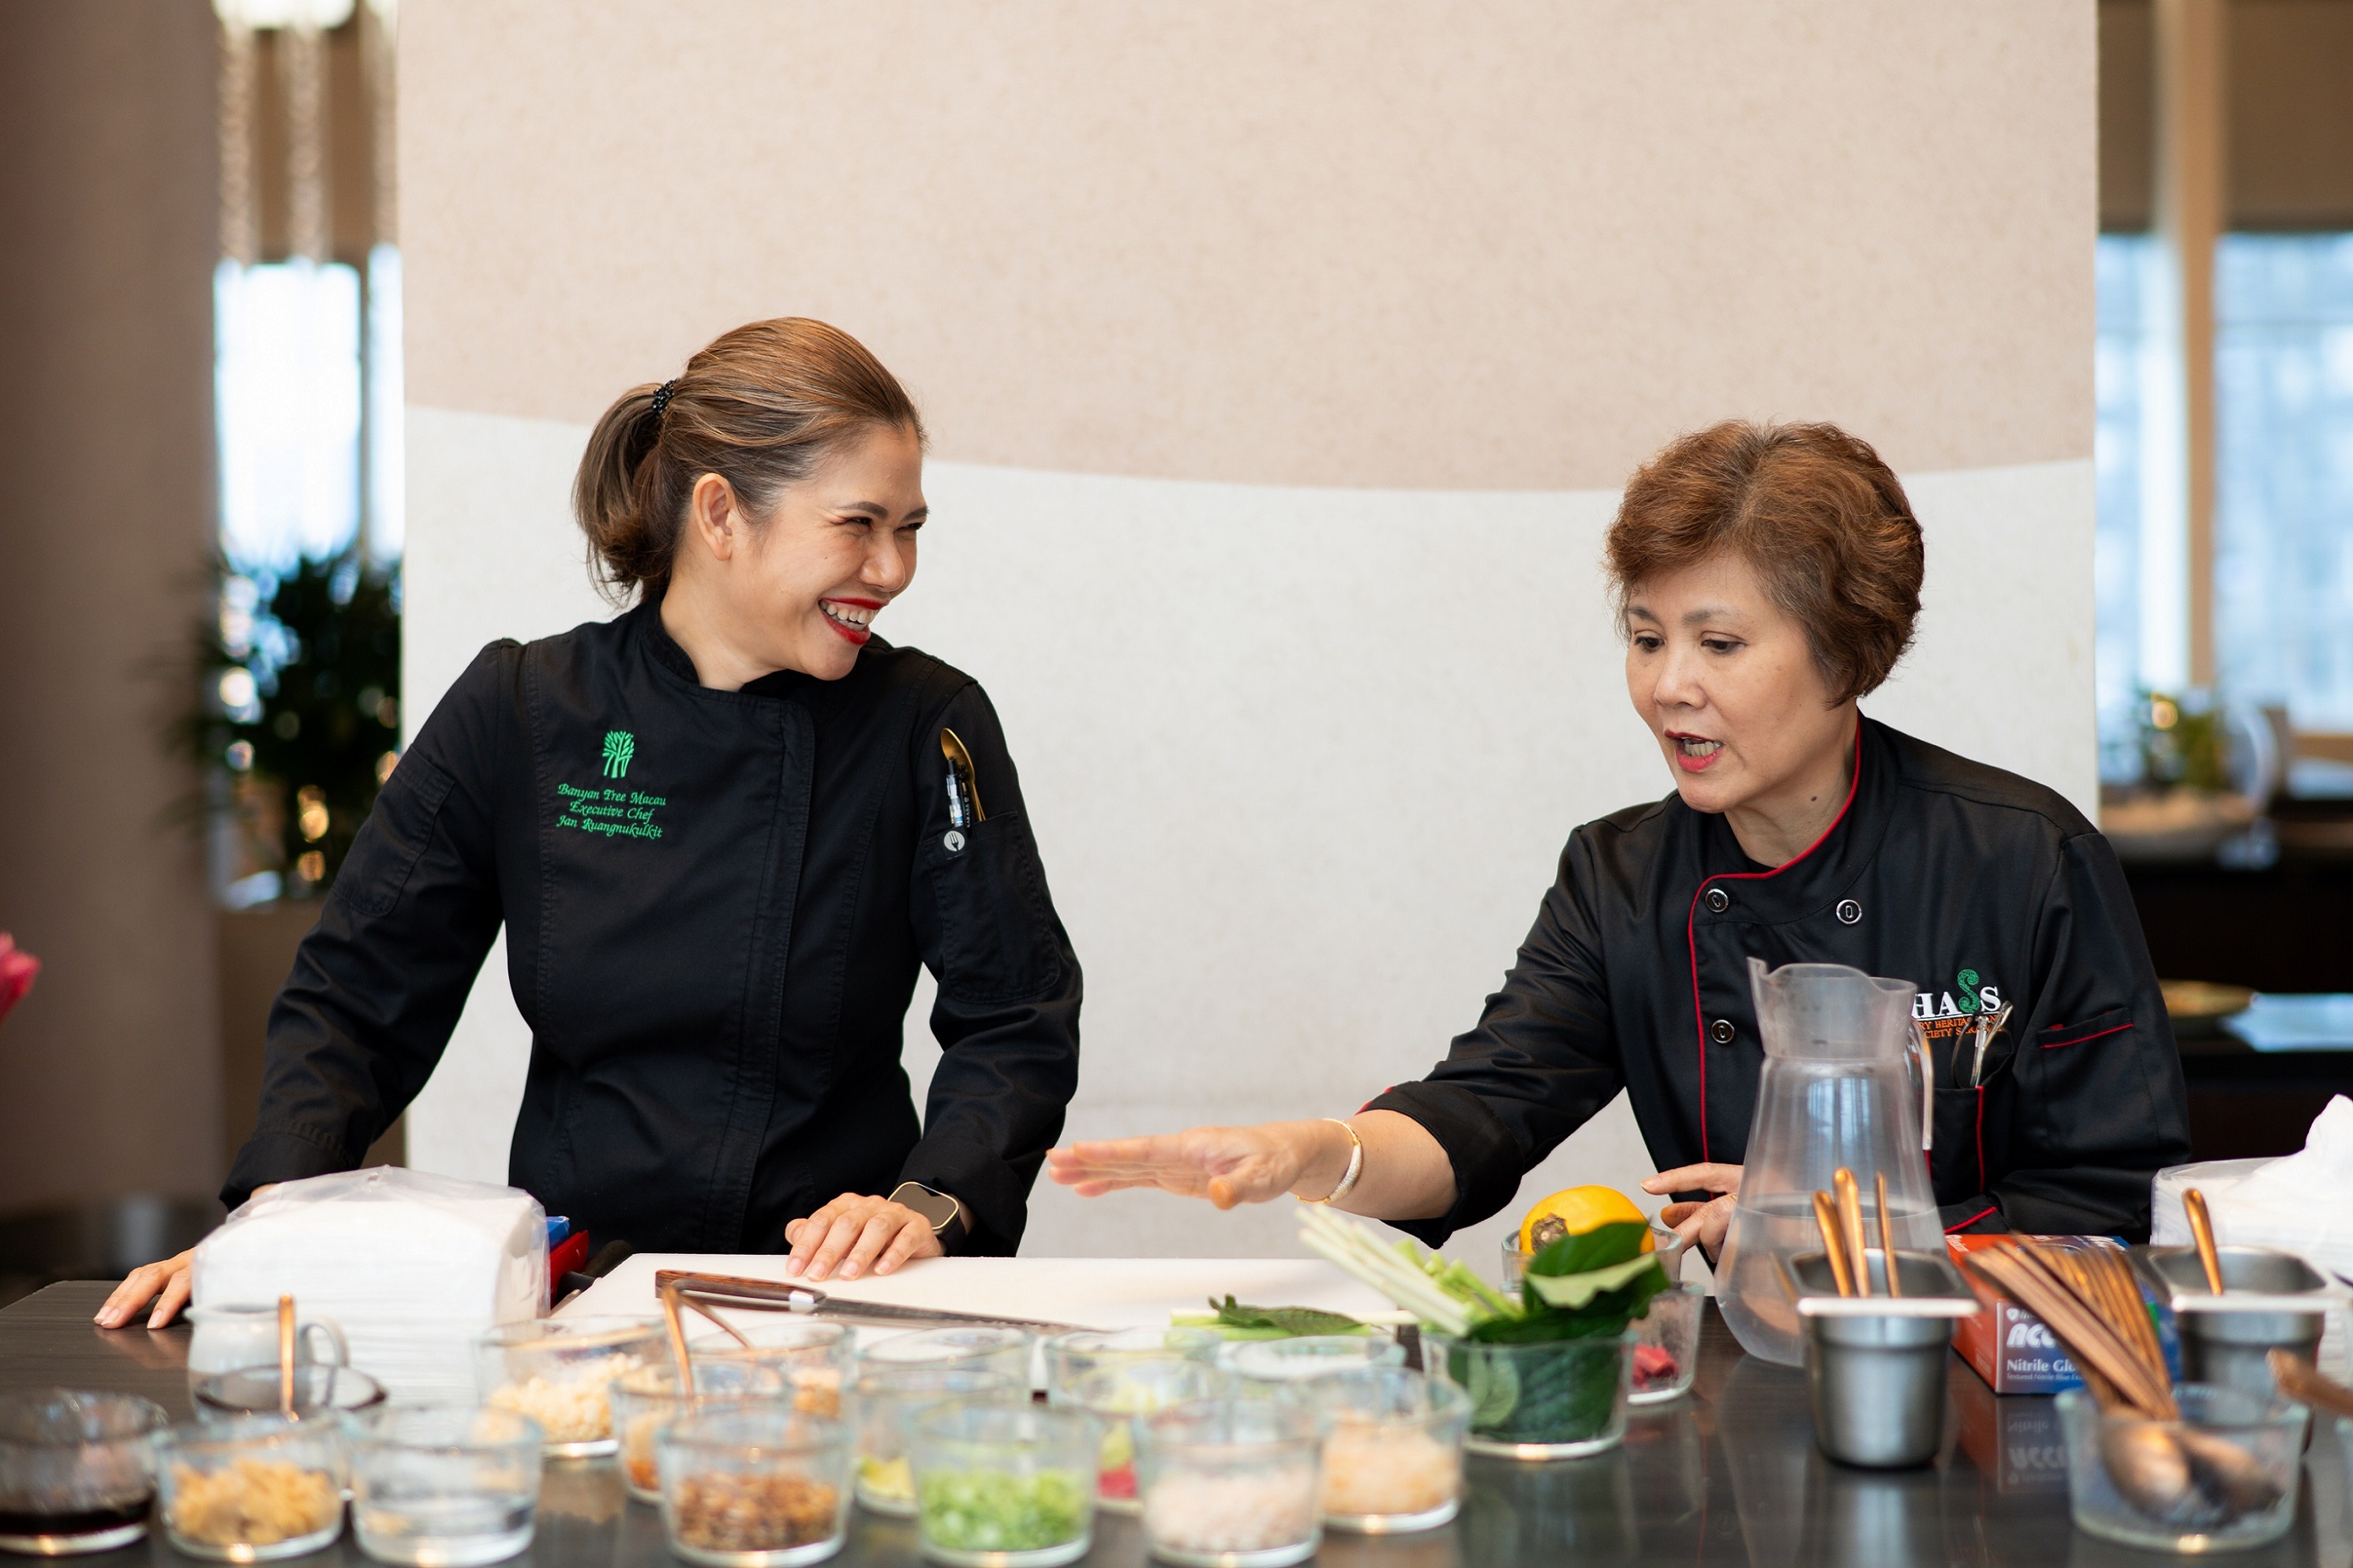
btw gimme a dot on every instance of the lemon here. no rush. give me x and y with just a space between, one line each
1573 1212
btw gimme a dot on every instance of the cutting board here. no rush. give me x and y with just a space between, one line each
1085 1292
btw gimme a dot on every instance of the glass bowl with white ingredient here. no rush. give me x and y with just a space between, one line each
556 1372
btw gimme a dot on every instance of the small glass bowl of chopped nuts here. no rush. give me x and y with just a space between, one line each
251 1490
556 1370
755 1487
647 1400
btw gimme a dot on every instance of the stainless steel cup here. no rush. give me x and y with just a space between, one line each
1876 1380
2227 1349
1877 1388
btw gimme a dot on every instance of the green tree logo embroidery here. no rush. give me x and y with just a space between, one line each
620 747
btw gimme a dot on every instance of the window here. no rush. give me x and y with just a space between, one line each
2284 505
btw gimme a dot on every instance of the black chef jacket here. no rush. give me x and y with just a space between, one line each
1977 886
715 902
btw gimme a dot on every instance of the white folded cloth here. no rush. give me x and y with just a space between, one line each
411 1266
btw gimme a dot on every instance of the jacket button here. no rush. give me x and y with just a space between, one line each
1718 900
1849 912
1721 1031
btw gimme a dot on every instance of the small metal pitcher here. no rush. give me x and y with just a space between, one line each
1875 1365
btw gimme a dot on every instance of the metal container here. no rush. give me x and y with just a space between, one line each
2227 1349
1875 1365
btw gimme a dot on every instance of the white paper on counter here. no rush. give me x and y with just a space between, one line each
1085 1292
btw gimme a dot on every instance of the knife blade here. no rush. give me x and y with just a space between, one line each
777 1296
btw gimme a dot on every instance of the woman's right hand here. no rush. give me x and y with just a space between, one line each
165 1283
1227 1165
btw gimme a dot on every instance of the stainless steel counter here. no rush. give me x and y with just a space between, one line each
1727 1475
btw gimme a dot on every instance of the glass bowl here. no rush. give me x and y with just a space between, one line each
1004 1486
1550 1399
1072 1356
1666 1344
251 1490
2268 1436
816 1360
1004 1351
1392 1450
77 1471
1232 1483
1314 1355
1665 1244
1116 1395
888 1397
556 1370
232 1397
754 1486
443 1486
647 1400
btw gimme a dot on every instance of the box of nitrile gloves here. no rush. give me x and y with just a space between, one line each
2007 1344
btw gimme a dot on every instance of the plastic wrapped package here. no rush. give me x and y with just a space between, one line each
2300 1203
413 1265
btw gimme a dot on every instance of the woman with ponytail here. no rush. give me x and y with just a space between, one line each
722 830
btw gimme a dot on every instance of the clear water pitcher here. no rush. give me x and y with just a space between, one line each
1837 1091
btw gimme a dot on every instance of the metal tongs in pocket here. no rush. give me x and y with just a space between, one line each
776 1296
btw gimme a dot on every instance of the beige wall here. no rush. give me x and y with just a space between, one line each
1507 247
1283 363
108 1080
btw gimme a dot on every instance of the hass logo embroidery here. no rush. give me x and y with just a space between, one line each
613 813
1947 1013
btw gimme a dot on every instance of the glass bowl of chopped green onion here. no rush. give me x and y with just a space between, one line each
1001 1486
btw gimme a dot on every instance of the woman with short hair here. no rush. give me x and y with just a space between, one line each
1766 577
721 830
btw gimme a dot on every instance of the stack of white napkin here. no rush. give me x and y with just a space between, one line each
2300 1203
413 1266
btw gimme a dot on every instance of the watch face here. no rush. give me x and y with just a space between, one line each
937 1208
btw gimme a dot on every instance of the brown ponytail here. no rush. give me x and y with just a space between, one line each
759 407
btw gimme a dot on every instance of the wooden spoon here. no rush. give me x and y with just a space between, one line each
2300 1381
2201 1231
1850 1208
286 1357
1834 1243
1887 1238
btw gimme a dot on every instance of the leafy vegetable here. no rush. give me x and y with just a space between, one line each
1239 1321
1592 1284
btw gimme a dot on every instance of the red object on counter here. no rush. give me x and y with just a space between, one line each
564 1258
18 969
1119 1484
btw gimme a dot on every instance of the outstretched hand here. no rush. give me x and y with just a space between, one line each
1227 1165
1706 1223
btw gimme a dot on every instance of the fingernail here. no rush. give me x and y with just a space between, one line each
850 1272
793 1267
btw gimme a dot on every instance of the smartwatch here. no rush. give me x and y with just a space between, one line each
946 1215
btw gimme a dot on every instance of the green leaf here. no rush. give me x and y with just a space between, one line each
1283 1321
1620 1241
1573 1291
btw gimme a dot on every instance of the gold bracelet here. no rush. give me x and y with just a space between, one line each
1356 1165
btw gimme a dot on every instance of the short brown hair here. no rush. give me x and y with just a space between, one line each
759 407
1813 510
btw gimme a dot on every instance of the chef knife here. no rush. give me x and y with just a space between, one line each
776 1296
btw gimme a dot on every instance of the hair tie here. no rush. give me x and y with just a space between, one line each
663 396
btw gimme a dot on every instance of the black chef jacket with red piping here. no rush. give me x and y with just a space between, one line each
1977 886
715 903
